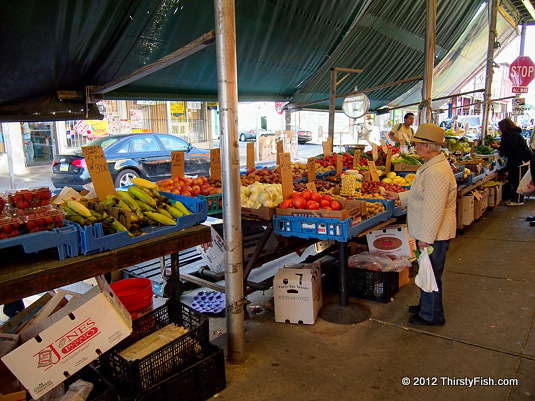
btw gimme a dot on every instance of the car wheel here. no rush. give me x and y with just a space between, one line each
124 177
242 137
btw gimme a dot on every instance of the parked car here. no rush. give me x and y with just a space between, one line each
145 155
303 136
250 134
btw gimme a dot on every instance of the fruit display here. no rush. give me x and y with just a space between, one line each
188 186
330 161
351 183
2 204
144 203
457 145
311 201
258 194
27 198
373 208
9 227
376 187
393 178
30 221
262 175
411 159
321 186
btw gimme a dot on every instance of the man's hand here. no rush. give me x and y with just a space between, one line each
391 195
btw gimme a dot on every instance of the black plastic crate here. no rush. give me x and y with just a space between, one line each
195 383
375 285
136 376
103 390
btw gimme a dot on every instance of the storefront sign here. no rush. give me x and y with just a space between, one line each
194 105
136 119
82 127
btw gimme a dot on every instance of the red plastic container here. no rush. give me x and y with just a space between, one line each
135 294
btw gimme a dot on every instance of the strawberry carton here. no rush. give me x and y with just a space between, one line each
28 198
41 219
2 204
9 227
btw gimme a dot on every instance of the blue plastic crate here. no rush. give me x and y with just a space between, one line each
399 211
460 175
324 228
93 240
478 177
66 239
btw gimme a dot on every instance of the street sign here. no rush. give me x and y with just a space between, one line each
518 106
279 107
521 73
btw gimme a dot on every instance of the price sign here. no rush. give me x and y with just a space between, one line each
250 155
286 175
404 139
339 165
388 165
311 167
312 186
215 164
99 171
327 147
383 145
356 160
177 163
280 149
373 171
375 153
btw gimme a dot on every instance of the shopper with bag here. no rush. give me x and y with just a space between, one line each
431 216
513 146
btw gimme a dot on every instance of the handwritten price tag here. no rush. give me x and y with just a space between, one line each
373 171
177 163
99 171
286 175
311 167
250 155
215 164
356 160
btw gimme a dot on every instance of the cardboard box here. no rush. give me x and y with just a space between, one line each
495 195
468 209
405 167
393 241
213 252
16 396
481 202
404 277
70 339
297 293
262 213
350 208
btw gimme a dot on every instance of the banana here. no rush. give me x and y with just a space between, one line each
78 208
143 183
140 194
160 218
180 206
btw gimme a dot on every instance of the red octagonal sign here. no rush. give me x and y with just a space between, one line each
522 71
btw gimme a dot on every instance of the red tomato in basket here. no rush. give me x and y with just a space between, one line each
299 202
327 197
324 203
306 194
315 196
335 205
313 205
286 204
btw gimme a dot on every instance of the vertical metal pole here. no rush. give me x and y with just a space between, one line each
343 274
493 10
7 143
332 106
523 38
227 84
425 114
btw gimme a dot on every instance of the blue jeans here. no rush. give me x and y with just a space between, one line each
431 307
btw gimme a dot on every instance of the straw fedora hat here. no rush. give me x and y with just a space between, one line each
429 133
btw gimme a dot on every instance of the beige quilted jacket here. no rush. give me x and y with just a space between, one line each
431 202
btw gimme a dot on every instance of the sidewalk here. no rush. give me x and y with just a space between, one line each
35 176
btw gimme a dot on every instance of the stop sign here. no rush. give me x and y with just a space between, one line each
522 71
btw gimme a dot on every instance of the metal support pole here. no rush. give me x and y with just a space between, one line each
7 142
493 10
523 39
343 274
227 84
425 114
332 106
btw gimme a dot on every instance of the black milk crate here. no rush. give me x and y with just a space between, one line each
375 285
135 376
195 383
103 390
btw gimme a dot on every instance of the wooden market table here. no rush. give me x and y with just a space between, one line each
23 275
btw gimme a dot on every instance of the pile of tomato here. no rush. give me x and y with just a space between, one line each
347 160
311 201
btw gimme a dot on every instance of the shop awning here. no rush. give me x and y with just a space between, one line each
285 49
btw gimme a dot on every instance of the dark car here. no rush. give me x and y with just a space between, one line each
250 134
146 155
303 136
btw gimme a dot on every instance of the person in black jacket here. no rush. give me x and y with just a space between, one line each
515 148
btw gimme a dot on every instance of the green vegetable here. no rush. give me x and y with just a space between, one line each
483 150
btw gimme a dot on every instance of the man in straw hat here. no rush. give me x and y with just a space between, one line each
431 216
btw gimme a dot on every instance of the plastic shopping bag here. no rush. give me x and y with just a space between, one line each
425 279
526 186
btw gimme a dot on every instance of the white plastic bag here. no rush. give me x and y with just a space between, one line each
425 279
526 186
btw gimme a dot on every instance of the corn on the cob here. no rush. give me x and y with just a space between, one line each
164 212
131 202
139 193
143 183
173 211
160 218
78 208
180 206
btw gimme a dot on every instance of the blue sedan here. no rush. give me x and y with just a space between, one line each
145 155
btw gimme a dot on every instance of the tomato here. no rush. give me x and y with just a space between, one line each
299 202
327 208
306 194
315 196
313 205
324 203
327 197
335 205
286 204
295 194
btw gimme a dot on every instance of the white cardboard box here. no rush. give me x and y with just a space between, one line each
213 252
71 338
468 209
393 241
297 293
